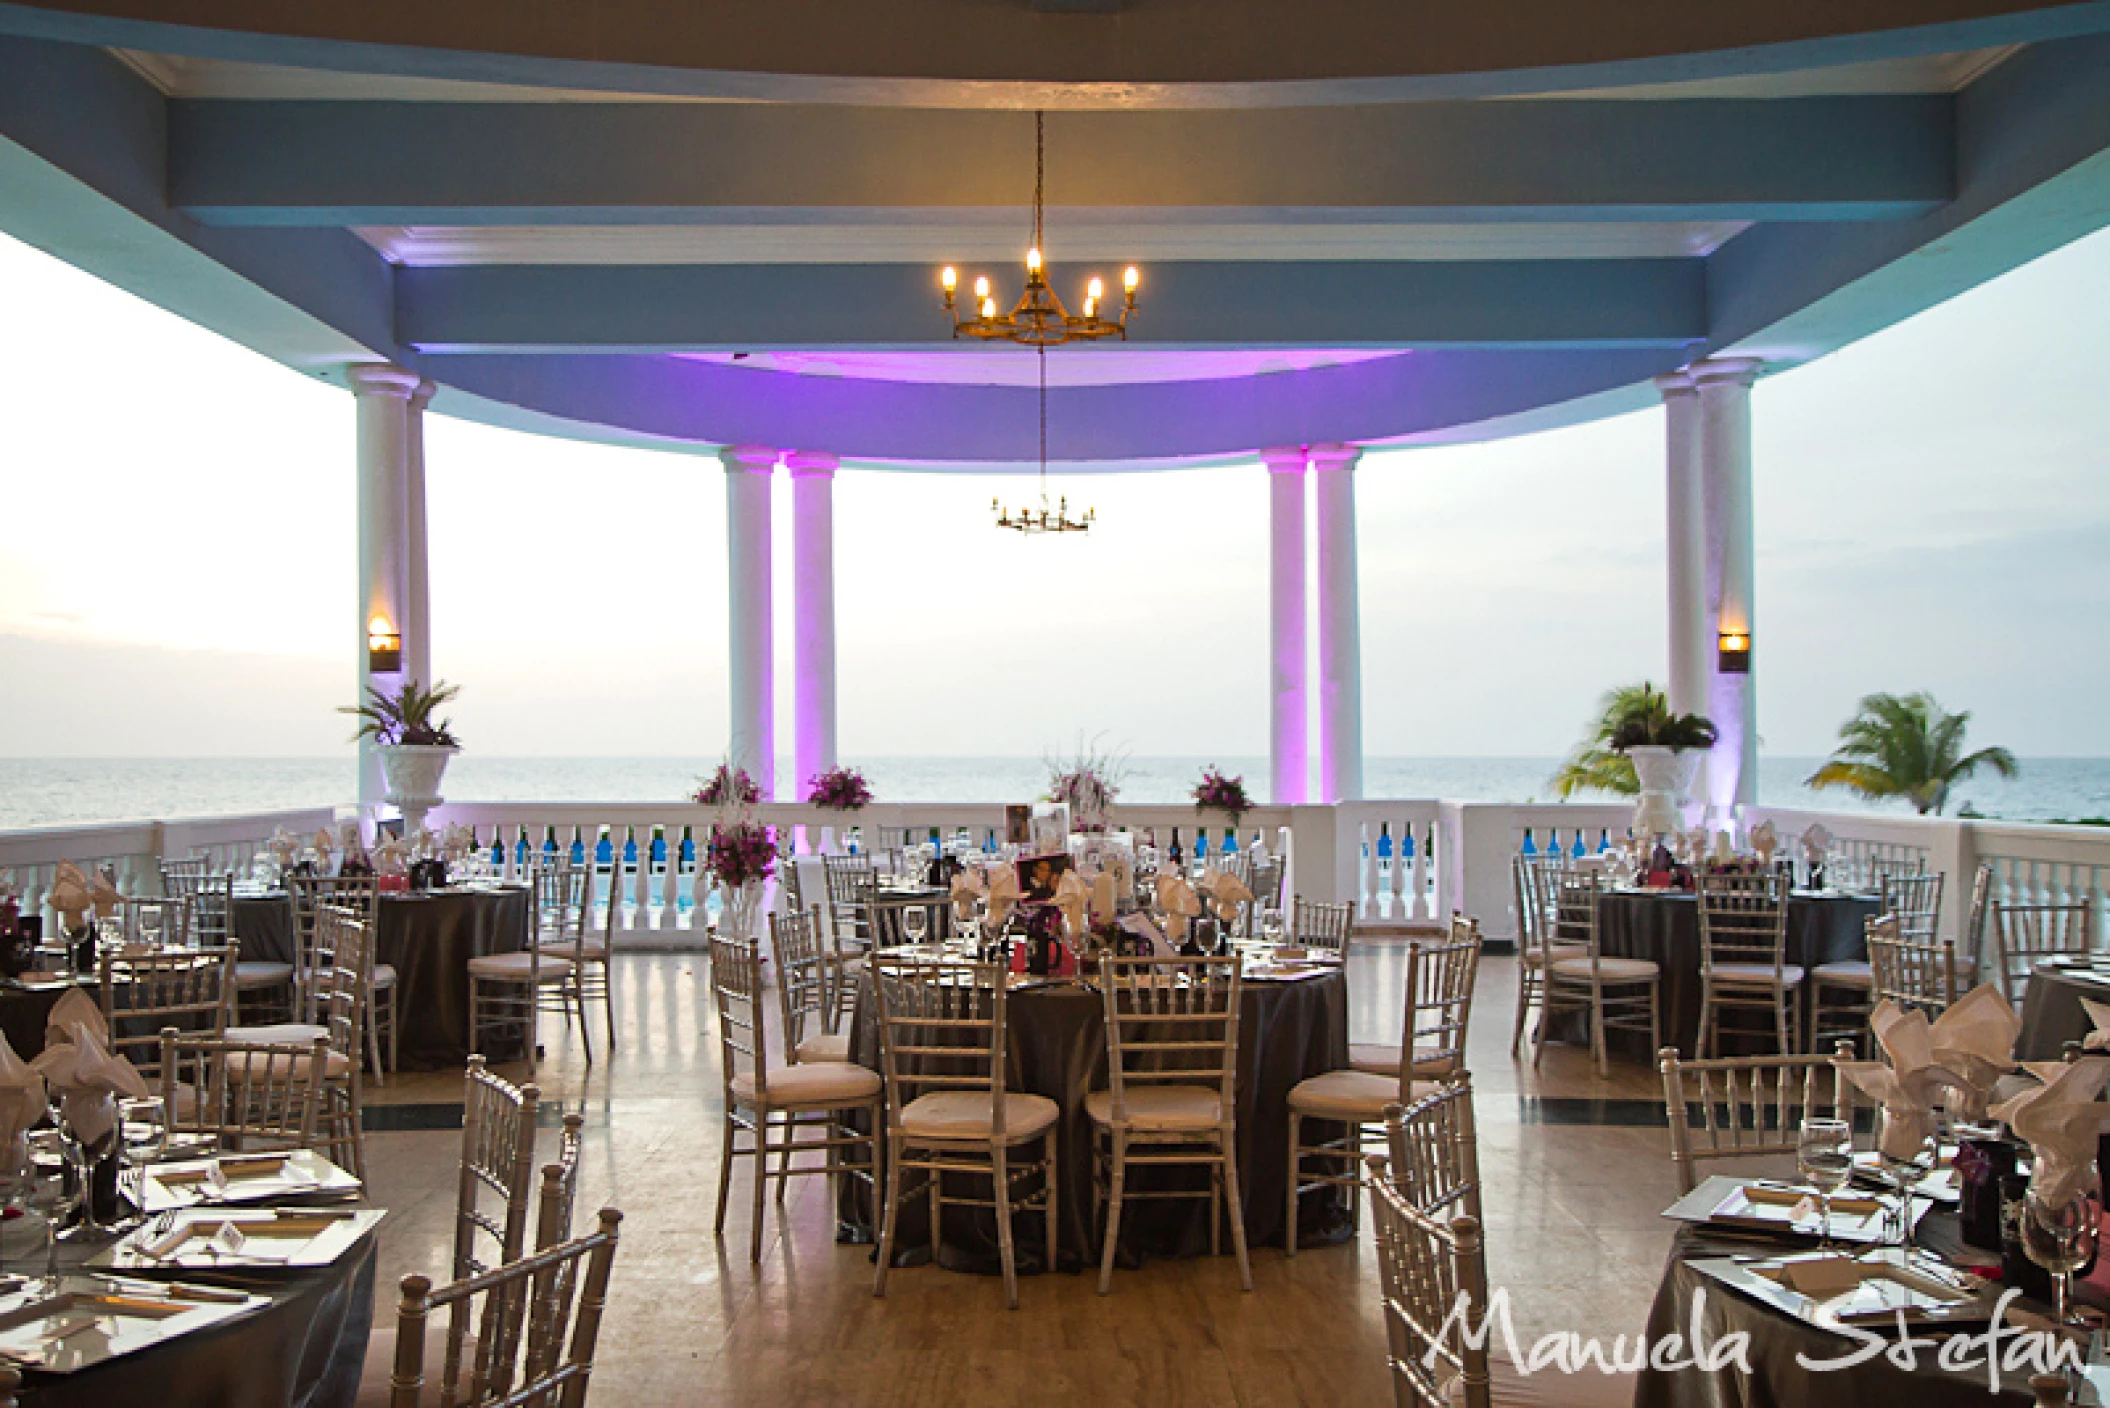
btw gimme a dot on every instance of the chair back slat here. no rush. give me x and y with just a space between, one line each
2027 934
1435 1153
243 1097
1171 1021
1425 1265
144 990
1743 920
941 1028
1751 1106
1322 928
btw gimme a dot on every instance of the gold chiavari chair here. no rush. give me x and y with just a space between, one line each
545 1290
774 1107
1751 1107
144 990
1535 918
1612 993
1926 974
340 991
853 883
1425 1267
361 895
1172 1071
505 989
805 992
2025 935
949 1111
1743 956
1435 1153
1439 1010
1840 991
562 918
1321 928
242 1097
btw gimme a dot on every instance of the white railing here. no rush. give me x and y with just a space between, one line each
132 851
1476 841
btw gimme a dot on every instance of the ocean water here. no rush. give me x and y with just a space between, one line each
52 791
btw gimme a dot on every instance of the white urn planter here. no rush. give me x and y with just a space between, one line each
1666 775
413 772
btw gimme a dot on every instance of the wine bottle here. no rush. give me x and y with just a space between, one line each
604 850
1201 846
549 846
578 850
1173 853
1384 848
685 861
1230 842
520 853
630 849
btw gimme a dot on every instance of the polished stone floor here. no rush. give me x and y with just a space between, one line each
1577 1170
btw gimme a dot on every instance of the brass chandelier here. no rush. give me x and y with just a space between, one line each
1039 321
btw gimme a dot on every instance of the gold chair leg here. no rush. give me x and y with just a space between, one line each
1289 1230
1228 1147
1112 1234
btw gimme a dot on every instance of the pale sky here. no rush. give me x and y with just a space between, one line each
1932 512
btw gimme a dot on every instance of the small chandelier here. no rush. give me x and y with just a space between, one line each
1043 519
1039 319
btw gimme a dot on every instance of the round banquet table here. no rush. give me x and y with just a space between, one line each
306 1348
1287 1031
1777 1379
2052 1014
24 1011
428 937
1664 927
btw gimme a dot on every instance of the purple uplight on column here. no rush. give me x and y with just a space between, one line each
1289 694
1340 626
751 741
813 606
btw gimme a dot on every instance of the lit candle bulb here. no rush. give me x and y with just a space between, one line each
1131 278
950 278
1091 307
988 307
1094 290
1033 261
981 287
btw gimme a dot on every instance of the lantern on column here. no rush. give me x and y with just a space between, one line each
384 647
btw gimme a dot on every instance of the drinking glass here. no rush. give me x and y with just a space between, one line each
2059 1226
1906 1171
1824 1154
84 1155
143 1134
53 1193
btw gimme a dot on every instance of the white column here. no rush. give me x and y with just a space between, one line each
813 601
1725 469
1289 677
417 592
1685 548
751 653
1340 626
381 396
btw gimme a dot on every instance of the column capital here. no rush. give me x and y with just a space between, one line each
1283 459
1678 383
381 379
422 397
1335 457
1726 371
811 464
750 459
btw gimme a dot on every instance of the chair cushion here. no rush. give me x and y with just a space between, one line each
1164 1109
1846 973
1755 974
824 1046
1610 970
1533 958
969 1114
335 1064
821 1085
277 1034
384 975
1356 1096
594 950
521 967
1384 1061
262 975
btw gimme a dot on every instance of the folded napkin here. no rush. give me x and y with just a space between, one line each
1105 897
968 887
69 896
102 896
1176 898
392 856
2060 1121
74 1013
1765 841
1071 897
2098 1013
1003 893
21 1103
1906 1082
1227 894
1816 843
88 1078
324 842
1975 1041
284 846
457 840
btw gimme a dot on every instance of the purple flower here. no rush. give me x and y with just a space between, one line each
1220 793
729 785
740 854
840 789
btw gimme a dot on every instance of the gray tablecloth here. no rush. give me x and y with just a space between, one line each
304 1350
1665 928
2052 1014
1286 1032
263 928
24 1011
1777 1380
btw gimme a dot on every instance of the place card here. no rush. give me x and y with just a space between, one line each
245 1178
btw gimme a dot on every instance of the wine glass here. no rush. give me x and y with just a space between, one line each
2060 1217
86 1152
1906 1170
143 1138
1824 1155
53 1193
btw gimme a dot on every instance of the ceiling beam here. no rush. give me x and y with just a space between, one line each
1616 303
390 163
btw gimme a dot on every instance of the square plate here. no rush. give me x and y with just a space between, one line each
1761 1205
94 1319
1834 1292
289 1237
233 1179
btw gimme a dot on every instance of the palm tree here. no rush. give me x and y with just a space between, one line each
1906 746
1594 766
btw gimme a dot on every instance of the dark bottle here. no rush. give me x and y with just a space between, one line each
1174 854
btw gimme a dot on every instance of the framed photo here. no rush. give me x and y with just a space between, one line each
1018 824
1039 875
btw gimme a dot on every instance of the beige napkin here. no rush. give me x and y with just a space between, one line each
324 843
283 845
1907 1082
392 856
21 1101
102 896
72 1014
1816 843
1071 897
69 896
1975 1040
1765 841
1227 894
2098 1013
2059 1120
968 886
1003 893
1179 902
89 1079
1105 897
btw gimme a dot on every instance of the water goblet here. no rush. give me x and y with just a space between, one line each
1824 1155
2060 1220
143 1139
1906 1169
53 1192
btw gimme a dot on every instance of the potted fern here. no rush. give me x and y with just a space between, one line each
1665 750
414 746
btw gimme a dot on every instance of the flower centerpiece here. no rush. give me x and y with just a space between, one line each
838 789
728 787
740 856
415 747
1215 792
1088 783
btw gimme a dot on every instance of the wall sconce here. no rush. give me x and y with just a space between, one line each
384 647
1732 654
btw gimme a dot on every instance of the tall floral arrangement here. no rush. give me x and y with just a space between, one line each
728 787
1088 781
1216 792
839 789
740 856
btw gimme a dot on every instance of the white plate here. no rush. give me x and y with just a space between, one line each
93 1319
291 1237
1729 1205
245 1178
